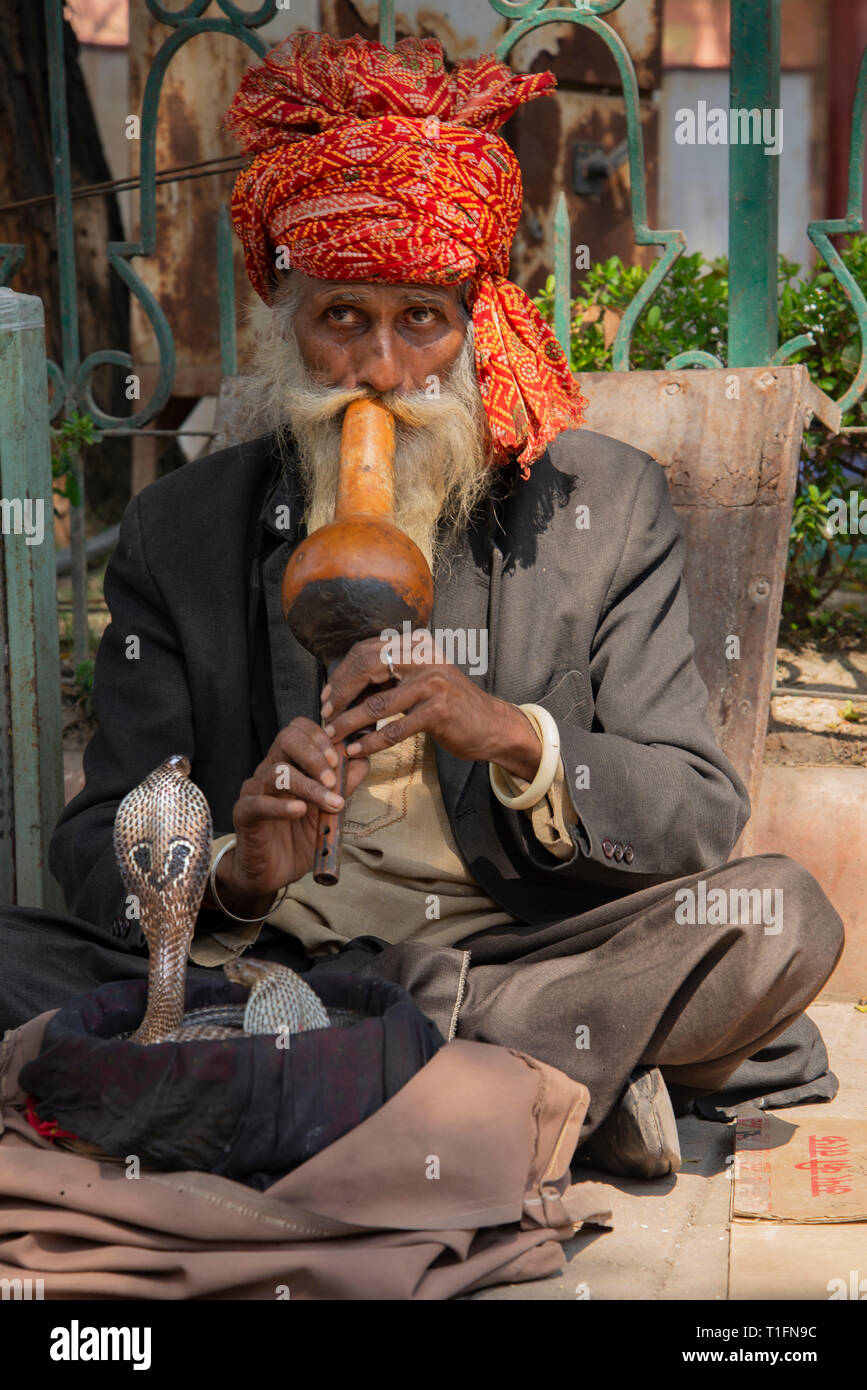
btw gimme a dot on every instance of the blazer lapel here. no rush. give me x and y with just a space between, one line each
293 671
461 603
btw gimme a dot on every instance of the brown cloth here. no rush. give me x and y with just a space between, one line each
458 1182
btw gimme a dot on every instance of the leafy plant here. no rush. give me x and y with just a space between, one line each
75 432
832 465
688 312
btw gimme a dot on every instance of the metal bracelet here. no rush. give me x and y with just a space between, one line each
230 844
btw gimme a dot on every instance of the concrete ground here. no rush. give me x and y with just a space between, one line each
672 1238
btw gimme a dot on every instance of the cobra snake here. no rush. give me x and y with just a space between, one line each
163 834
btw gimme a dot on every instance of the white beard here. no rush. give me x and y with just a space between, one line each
441 466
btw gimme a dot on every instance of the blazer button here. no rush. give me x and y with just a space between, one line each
618 851
628 853
607 848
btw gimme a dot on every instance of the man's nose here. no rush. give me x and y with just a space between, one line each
379 363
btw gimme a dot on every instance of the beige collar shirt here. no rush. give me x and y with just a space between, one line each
401 876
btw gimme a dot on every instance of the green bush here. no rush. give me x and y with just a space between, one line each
688 312
66 444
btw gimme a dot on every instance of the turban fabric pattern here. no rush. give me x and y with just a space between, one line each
375 165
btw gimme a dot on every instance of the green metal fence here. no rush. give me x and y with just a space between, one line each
753 202
752 306
31 767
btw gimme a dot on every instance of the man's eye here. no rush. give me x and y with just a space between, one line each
422 314
340 313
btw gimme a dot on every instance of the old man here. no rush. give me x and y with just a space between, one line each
536 827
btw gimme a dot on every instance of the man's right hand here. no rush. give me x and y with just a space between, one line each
276 816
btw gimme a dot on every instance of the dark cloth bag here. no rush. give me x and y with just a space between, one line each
245 1108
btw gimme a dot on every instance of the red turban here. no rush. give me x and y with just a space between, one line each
381 166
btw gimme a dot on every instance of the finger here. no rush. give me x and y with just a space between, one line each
363 665
306 745
395 732
251 811
284 781
382 704
418 648
356 771
305 737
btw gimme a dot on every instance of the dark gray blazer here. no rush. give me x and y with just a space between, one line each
589 621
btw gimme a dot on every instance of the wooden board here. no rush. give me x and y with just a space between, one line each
729 441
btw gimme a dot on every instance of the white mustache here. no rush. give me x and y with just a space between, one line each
313 404
442 469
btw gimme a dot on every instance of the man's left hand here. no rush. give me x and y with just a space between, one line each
431 696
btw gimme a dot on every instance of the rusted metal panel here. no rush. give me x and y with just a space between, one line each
575 55
544 133
543 136
197 89
466 28
729 441
718 449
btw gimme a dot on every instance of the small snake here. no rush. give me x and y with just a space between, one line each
163 835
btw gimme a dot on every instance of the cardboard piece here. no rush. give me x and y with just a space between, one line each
813 1172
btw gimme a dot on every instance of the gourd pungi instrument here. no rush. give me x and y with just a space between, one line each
355 577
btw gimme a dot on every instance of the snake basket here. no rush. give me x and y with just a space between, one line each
250 1108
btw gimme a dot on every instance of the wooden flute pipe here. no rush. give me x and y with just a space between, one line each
355 577
329 829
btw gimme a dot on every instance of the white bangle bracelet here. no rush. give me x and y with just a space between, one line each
230 844
546 727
